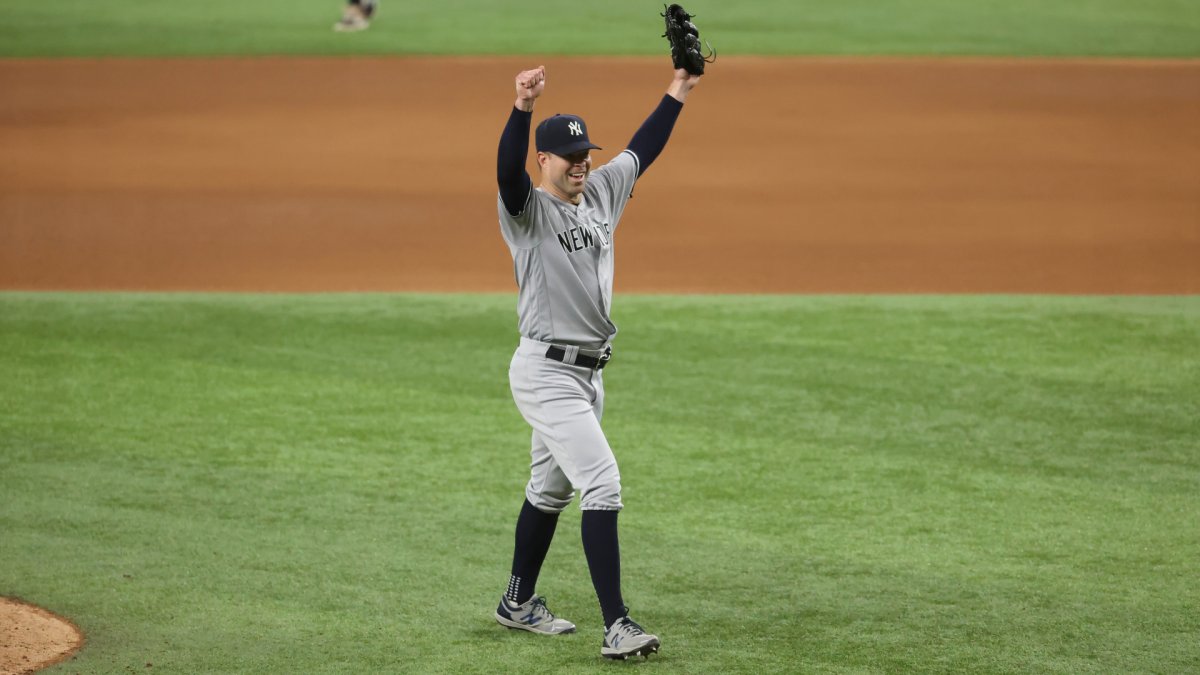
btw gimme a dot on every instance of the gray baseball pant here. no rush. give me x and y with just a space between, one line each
564 405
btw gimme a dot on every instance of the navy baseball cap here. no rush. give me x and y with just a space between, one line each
563 135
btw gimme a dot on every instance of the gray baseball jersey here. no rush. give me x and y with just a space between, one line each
563 257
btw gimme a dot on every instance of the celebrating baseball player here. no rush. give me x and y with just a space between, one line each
561 237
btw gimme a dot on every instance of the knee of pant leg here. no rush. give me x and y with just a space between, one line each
605 496
548 502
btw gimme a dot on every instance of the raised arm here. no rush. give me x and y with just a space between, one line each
514 182
652 137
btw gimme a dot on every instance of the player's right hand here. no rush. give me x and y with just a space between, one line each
530 84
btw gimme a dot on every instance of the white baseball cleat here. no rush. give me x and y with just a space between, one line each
352 21
532 616
625 638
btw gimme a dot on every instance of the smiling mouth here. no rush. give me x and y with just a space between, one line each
577 176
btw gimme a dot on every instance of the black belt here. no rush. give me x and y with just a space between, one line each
593 362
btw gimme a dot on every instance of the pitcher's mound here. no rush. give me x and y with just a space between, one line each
32 638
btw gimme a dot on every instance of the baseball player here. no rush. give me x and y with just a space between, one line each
561 236
356 16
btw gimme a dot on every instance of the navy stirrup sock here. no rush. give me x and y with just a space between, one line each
535 530
603 551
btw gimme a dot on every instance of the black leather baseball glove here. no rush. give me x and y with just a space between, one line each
685 41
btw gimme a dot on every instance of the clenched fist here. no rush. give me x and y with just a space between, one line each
530 84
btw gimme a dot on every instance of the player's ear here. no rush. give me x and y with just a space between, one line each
542 158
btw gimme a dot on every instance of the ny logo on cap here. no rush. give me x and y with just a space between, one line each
575 129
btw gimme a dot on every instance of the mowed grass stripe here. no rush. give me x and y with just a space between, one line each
328 483
1150 28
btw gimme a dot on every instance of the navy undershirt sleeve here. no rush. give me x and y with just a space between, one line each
514 182
652 137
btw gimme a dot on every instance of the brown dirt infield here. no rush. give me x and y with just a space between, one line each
32 638
783 175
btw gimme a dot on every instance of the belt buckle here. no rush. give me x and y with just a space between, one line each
604 357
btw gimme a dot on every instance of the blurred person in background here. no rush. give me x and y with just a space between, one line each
356 16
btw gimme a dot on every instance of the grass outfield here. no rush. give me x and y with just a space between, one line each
328 483
1154 28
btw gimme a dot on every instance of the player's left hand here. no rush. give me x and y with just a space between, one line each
683 83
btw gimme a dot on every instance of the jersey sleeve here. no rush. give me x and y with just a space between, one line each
521 230
614 182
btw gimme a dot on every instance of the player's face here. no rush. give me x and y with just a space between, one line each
566 174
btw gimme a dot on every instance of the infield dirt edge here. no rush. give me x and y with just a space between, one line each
42 652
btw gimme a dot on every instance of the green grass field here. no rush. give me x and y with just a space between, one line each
328 483
1154 28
